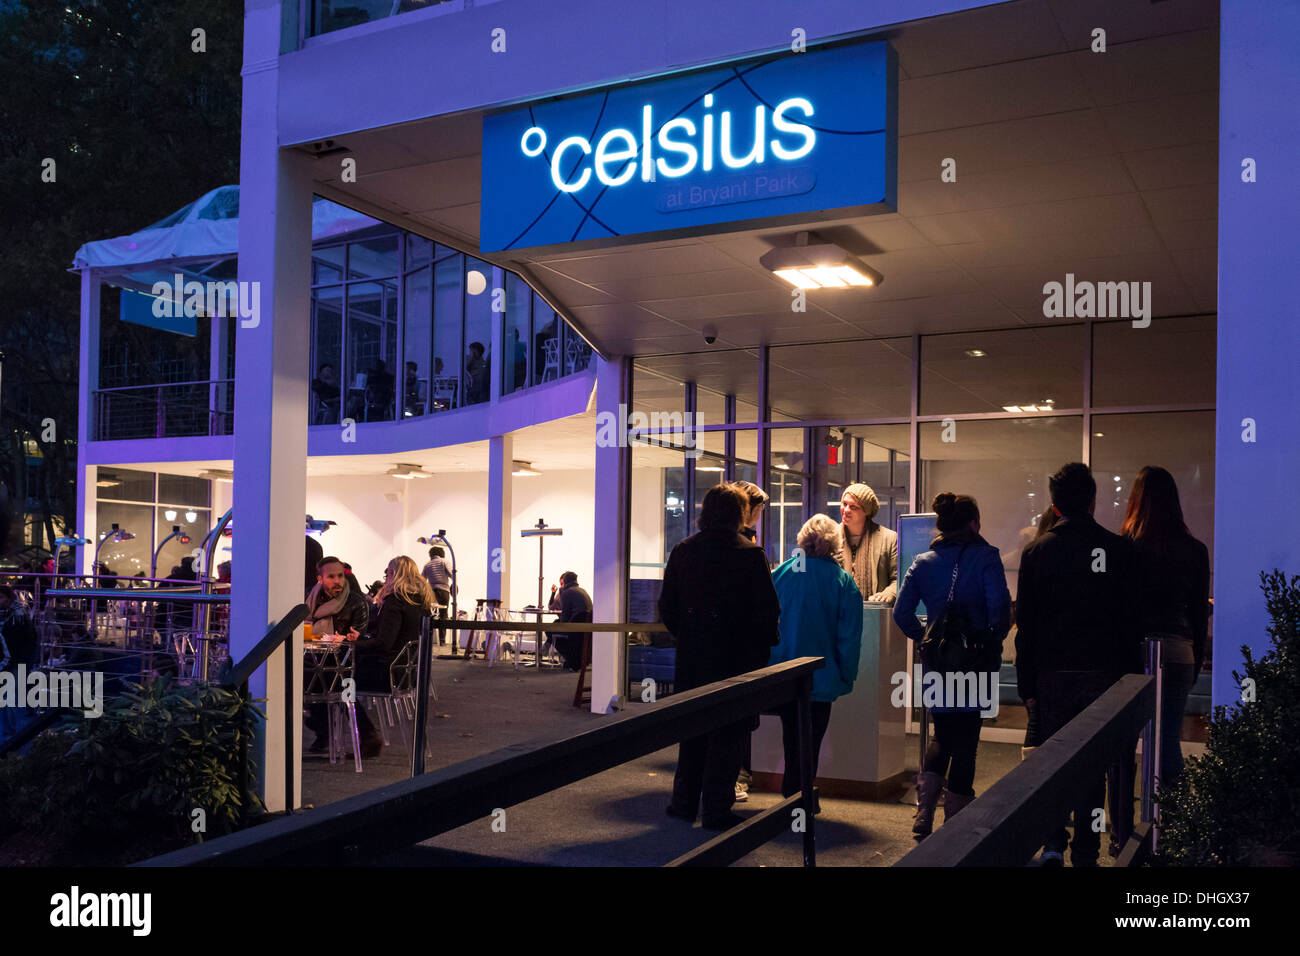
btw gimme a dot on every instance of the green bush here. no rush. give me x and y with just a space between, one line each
1239 803
125 786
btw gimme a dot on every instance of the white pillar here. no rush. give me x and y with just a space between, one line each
270 394
500 530
87 475
610 552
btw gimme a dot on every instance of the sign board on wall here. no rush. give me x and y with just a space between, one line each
783 140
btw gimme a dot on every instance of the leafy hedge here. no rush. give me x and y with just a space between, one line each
126 785
1239 803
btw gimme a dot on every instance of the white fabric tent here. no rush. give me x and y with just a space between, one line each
207 228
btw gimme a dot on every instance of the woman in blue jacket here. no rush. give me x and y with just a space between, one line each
821 616
980 595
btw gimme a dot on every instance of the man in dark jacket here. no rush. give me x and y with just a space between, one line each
719 604
336 607
574 605
1076 631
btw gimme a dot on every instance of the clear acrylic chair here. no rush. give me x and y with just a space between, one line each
325 673
397 709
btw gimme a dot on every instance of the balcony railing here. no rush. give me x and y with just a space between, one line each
174 410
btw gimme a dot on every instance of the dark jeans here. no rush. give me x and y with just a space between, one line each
1062 696
1179 674
443 597
951 752
821 717
706 771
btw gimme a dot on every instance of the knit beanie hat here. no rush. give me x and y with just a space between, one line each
865 497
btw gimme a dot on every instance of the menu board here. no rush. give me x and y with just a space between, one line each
915 532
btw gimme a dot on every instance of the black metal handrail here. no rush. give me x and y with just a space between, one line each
1008 823
366 827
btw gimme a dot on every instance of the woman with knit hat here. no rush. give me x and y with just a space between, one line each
870 552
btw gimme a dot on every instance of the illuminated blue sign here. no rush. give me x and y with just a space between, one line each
784 140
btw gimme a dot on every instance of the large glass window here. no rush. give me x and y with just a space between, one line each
1172 361
546 343
1002 371
327 355
417 344
448 302
372 350
518 316
871 379
478 331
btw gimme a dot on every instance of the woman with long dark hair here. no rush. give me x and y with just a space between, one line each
1173 571
962 565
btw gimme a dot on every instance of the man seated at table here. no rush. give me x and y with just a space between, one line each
338 610
574 605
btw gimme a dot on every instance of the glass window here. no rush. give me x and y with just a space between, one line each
710 406
125 558
372 350
478 331
577 353
659 515
656 394
546 342
783 516
184 490
417 342
327 264
419 251
448 312
327 355
838 380
1180 442
874 454
514 368
373 258
1168 363
193 522
1005 465
991 371
123 484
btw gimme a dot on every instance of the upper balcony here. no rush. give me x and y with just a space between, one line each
402 328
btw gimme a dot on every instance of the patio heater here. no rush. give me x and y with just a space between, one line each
208 548
541 532
116 534
74 541
441 538
176 533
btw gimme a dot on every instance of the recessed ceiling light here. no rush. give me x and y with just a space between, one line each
1098 434
976 353
1011 408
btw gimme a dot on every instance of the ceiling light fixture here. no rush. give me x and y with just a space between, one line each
711 466
976 353
407 472
819 265
1011 408
524 469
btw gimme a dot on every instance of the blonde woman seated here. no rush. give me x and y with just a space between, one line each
821 616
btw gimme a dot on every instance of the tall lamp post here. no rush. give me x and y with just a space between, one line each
541 532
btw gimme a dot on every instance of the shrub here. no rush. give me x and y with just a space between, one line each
1239 803
124 786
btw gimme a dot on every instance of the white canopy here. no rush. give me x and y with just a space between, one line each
206 228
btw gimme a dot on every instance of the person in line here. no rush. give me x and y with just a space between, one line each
755 500
1173 578
476 374
962 563
1033 731
19 644
335 607
870 550
326 388
574 605
404 600
719 604
438 573
821 616
1077 632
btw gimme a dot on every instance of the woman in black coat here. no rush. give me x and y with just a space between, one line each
404 600
719 604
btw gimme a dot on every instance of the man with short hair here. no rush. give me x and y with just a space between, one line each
574 605
1076 632
336 607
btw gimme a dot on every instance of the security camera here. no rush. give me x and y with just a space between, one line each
710 336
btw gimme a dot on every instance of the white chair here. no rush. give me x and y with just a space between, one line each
324 672
397 708
551 359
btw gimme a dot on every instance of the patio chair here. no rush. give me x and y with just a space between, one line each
324 673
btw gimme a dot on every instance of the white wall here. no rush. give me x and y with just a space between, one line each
566 500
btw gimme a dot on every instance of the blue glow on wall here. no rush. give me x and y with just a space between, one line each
137 307
782 140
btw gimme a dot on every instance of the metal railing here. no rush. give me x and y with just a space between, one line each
366 827
1007 824
170 410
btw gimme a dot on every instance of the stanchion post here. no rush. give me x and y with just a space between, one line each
422 665
806 782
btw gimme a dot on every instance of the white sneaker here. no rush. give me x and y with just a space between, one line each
742 793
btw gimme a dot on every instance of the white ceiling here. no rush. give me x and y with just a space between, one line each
1099 164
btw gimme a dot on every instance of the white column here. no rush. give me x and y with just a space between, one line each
271 392
500 530
610 549
87 475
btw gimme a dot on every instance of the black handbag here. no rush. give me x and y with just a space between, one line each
950 643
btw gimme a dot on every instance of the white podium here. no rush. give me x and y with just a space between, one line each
862 752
